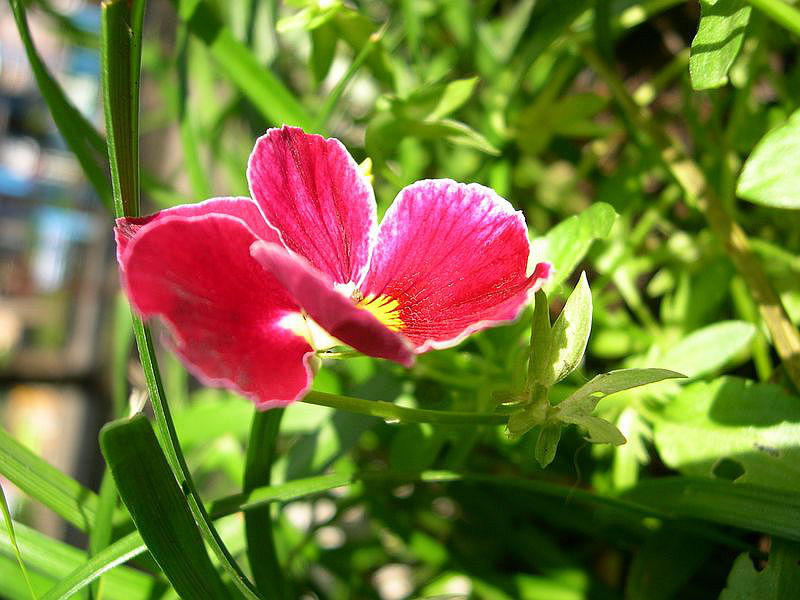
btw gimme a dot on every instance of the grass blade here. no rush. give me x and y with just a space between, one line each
158 508
81 137
13 539
118 50
749 507
43 482
267 93
55 560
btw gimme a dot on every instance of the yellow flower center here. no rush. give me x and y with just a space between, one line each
384 308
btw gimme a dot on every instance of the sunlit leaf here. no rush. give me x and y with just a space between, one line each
718 41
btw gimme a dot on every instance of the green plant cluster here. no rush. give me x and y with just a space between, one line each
653 147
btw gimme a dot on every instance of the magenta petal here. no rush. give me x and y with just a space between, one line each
242 208
332 310
223 310
454 256
312 192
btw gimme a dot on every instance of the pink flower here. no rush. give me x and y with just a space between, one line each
251 288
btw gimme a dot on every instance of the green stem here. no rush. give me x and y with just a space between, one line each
401 414
120 58
258 523
698 192
782 13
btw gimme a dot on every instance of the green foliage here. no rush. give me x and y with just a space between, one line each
158 507
718 41
586 116
768 176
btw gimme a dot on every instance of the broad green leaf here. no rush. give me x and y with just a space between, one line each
755 425
779 580
584 400
569 336
567 243
323 50
435 102
158 507
46 484
12 538
769 176
749 507
267 93
709 349
718 41
547 443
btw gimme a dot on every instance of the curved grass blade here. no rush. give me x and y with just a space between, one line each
158 508
43 482
13 539
71 123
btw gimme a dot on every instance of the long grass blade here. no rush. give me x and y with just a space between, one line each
13 539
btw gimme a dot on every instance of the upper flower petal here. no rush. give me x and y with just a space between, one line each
224 311
242 208
311 190
332 310
450 260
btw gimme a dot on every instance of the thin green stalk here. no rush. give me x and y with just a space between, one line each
258 523
100 534
13 539
401 414
698 192
779 11
333 98
119 25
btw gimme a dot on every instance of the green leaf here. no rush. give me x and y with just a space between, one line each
749 507
599 430
13 539
780 579
79 135
267 93
753 425
59 561
323 50
718 41
435 102
769 176
709 349
541 339
567 243
547 444
584 400
158 508
569 335
46 484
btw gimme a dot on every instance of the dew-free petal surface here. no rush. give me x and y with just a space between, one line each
311 190
331 309
242 208
222 308
454 257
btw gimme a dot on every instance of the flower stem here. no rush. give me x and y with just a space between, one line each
699 193
401 414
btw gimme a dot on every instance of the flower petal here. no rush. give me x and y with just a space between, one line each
242 208
224 311
452 258
311 191
331 309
